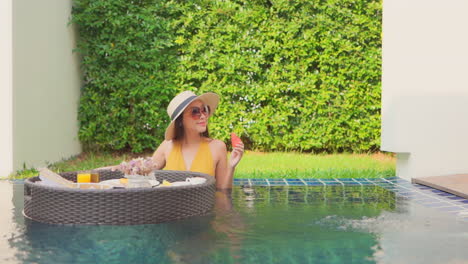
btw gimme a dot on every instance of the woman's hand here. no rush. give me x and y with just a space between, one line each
236 155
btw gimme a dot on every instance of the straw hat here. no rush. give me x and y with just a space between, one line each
177 106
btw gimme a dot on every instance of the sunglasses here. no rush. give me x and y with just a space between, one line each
196 112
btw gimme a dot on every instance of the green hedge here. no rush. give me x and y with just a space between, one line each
293 75
129 72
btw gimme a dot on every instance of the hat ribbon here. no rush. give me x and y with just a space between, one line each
182 106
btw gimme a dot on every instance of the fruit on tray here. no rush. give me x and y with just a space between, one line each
235 140
123 181
165 183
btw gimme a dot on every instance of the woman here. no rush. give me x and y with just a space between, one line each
187 145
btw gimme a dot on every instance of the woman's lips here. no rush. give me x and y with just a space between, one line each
202 124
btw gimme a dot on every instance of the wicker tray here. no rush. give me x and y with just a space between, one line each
57 205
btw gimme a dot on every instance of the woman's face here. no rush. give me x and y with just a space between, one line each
196 117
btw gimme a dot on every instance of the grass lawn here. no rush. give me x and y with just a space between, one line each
260 165
297 165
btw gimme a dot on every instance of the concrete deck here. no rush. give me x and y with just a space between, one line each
455 184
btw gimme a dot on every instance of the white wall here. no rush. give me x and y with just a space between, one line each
424 86
46 83
6 86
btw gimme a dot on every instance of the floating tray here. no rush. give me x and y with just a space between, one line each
131 206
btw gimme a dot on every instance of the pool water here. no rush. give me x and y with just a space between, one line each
295 224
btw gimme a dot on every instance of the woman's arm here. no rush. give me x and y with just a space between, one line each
159 156
225 170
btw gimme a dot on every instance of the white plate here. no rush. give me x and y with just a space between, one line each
113 183
153 183
196 180
180 183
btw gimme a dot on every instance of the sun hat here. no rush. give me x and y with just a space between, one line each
178 104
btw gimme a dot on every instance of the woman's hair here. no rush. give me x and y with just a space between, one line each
179 129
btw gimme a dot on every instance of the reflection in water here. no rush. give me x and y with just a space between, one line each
222 236
192 240
422 235
252 225
7 223
411 233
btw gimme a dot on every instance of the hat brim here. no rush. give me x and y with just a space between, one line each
210 99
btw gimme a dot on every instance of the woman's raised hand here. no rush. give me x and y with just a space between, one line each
236 154
237 150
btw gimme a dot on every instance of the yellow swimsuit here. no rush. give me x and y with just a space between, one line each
203 161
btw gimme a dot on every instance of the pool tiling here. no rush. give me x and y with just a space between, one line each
424 195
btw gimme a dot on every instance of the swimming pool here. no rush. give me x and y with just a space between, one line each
269 221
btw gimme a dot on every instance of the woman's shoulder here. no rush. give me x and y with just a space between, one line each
216 144
166 145
163 150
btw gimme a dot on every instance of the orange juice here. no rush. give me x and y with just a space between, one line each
87 177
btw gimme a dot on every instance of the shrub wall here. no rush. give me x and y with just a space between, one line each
292 75
129 72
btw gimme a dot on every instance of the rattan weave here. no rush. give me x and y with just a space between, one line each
132 206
